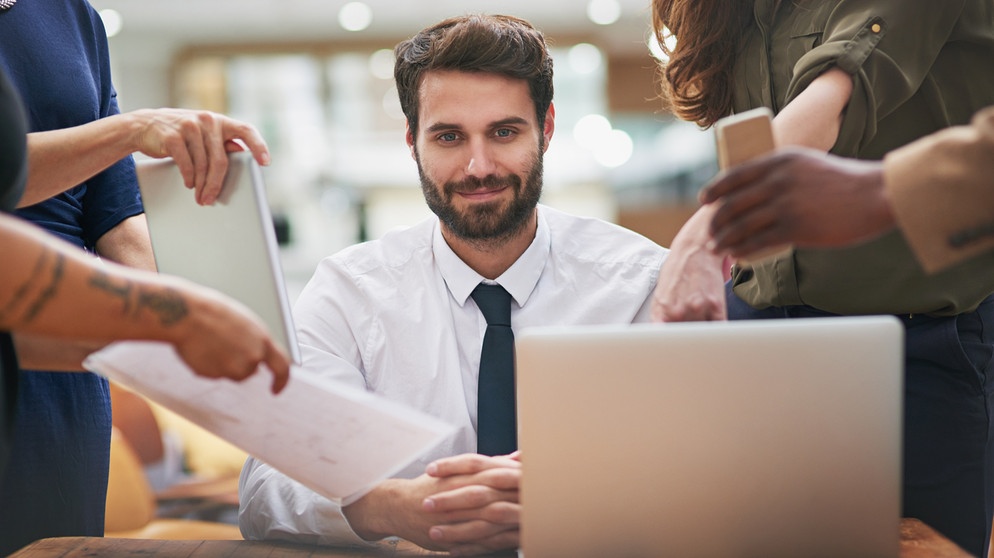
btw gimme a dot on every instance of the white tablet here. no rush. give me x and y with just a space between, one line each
229 246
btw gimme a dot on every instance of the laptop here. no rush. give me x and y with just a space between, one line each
229 246
773 438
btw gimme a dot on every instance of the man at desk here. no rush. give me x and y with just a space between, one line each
406 316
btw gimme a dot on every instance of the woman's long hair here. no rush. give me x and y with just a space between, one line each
696 82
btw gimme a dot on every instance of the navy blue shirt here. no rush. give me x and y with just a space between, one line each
13 166
55 53
13 146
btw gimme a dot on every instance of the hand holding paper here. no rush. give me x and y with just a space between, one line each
334 439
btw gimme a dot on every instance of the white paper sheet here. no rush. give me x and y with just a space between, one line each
337 440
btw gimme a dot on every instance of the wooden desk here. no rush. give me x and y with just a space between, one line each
917 541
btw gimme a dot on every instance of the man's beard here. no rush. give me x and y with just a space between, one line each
493 222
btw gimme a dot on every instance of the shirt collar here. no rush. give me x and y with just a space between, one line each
519 280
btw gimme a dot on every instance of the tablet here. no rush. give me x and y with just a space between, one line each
229 246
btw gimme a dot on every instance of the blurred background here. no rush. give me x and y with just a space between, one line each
315 76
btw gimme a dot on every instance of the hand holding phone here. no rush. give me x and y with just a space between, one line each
742 137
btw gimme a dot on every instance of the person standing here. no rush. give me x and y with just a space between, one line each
859 79
81 187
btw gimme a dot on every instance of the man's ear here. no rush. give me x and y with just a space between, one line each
550 125
409 137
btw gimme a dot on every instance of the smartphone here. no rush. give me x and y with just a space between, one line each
742 137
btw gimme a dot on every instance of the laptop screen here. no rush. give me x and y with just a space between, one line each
751 438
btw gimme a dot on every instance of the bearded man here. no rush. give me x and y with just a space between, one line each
403 316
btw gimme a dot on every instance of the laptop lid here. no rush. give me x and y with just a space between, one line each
229 246
749 438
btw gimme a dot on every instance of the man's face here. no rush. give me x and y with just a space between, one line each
479 152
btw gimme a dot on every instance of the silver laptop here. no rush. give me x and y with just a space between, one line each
229 246
752 438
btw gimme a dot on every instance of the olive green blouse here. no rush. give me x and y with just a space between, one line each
917 66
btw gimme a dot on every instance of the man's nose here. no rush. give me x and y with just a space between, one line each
481 162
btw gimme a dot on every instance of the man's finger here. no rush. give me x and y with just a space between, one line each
468 464
279 365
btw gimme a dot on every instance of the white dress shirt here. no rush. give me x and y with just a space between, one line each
394 316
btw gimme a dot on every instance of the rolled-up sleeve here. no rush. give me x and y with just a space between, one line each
889 50
941 187
274 506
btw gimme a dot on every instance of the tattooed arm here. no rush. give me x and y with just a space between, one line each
51 289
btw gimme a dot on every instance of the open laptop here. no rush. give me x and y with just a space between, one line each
229 246
750 438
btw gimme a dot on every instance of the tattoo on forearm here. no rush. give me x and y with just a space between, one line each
167 304
57 273
102 281
20 296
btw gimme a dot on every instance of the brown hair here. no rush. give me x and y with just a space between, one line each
696 82
475 43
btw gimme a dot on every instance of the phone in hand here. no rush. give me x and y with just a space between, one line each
742 137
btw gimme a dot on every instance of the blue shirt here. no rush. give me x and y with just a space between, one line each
13 165
55 54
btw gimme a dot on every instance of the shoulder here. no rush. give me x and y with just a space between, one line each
395 254
360 286
598 242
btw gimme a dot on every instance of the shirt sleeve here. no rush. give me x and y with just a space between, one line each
111 196
940 187
888 49
272 505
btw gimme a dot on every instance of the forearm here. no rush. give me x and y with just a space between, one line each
369 517
50 288
54 355
691 280
814 118
61 159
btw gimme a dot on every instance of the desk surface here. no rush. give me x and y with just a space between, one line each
917 541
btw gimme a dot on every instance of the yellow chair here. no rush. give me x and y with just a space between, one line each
132 504
210 489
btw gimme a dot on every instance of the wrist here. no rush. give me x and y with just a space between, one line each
132 126
874 179
366 516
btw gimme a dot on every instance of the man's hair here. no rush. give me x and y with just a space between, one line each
493 44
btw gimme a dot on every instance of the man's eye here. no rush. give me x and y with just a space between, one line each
505 133
451 136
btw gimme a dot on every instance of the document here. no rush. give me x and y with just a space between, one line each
337 440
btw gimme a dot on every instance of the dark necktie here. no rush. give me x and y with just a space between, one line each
496 425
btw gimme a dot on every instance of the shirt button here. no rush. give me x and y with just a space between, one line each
875 28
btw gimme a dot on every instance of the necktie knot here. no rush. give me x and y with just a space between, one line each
494 302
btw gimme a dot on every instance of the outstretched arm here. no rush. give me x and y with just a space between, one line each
690 285
798 196
50 288
197 140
